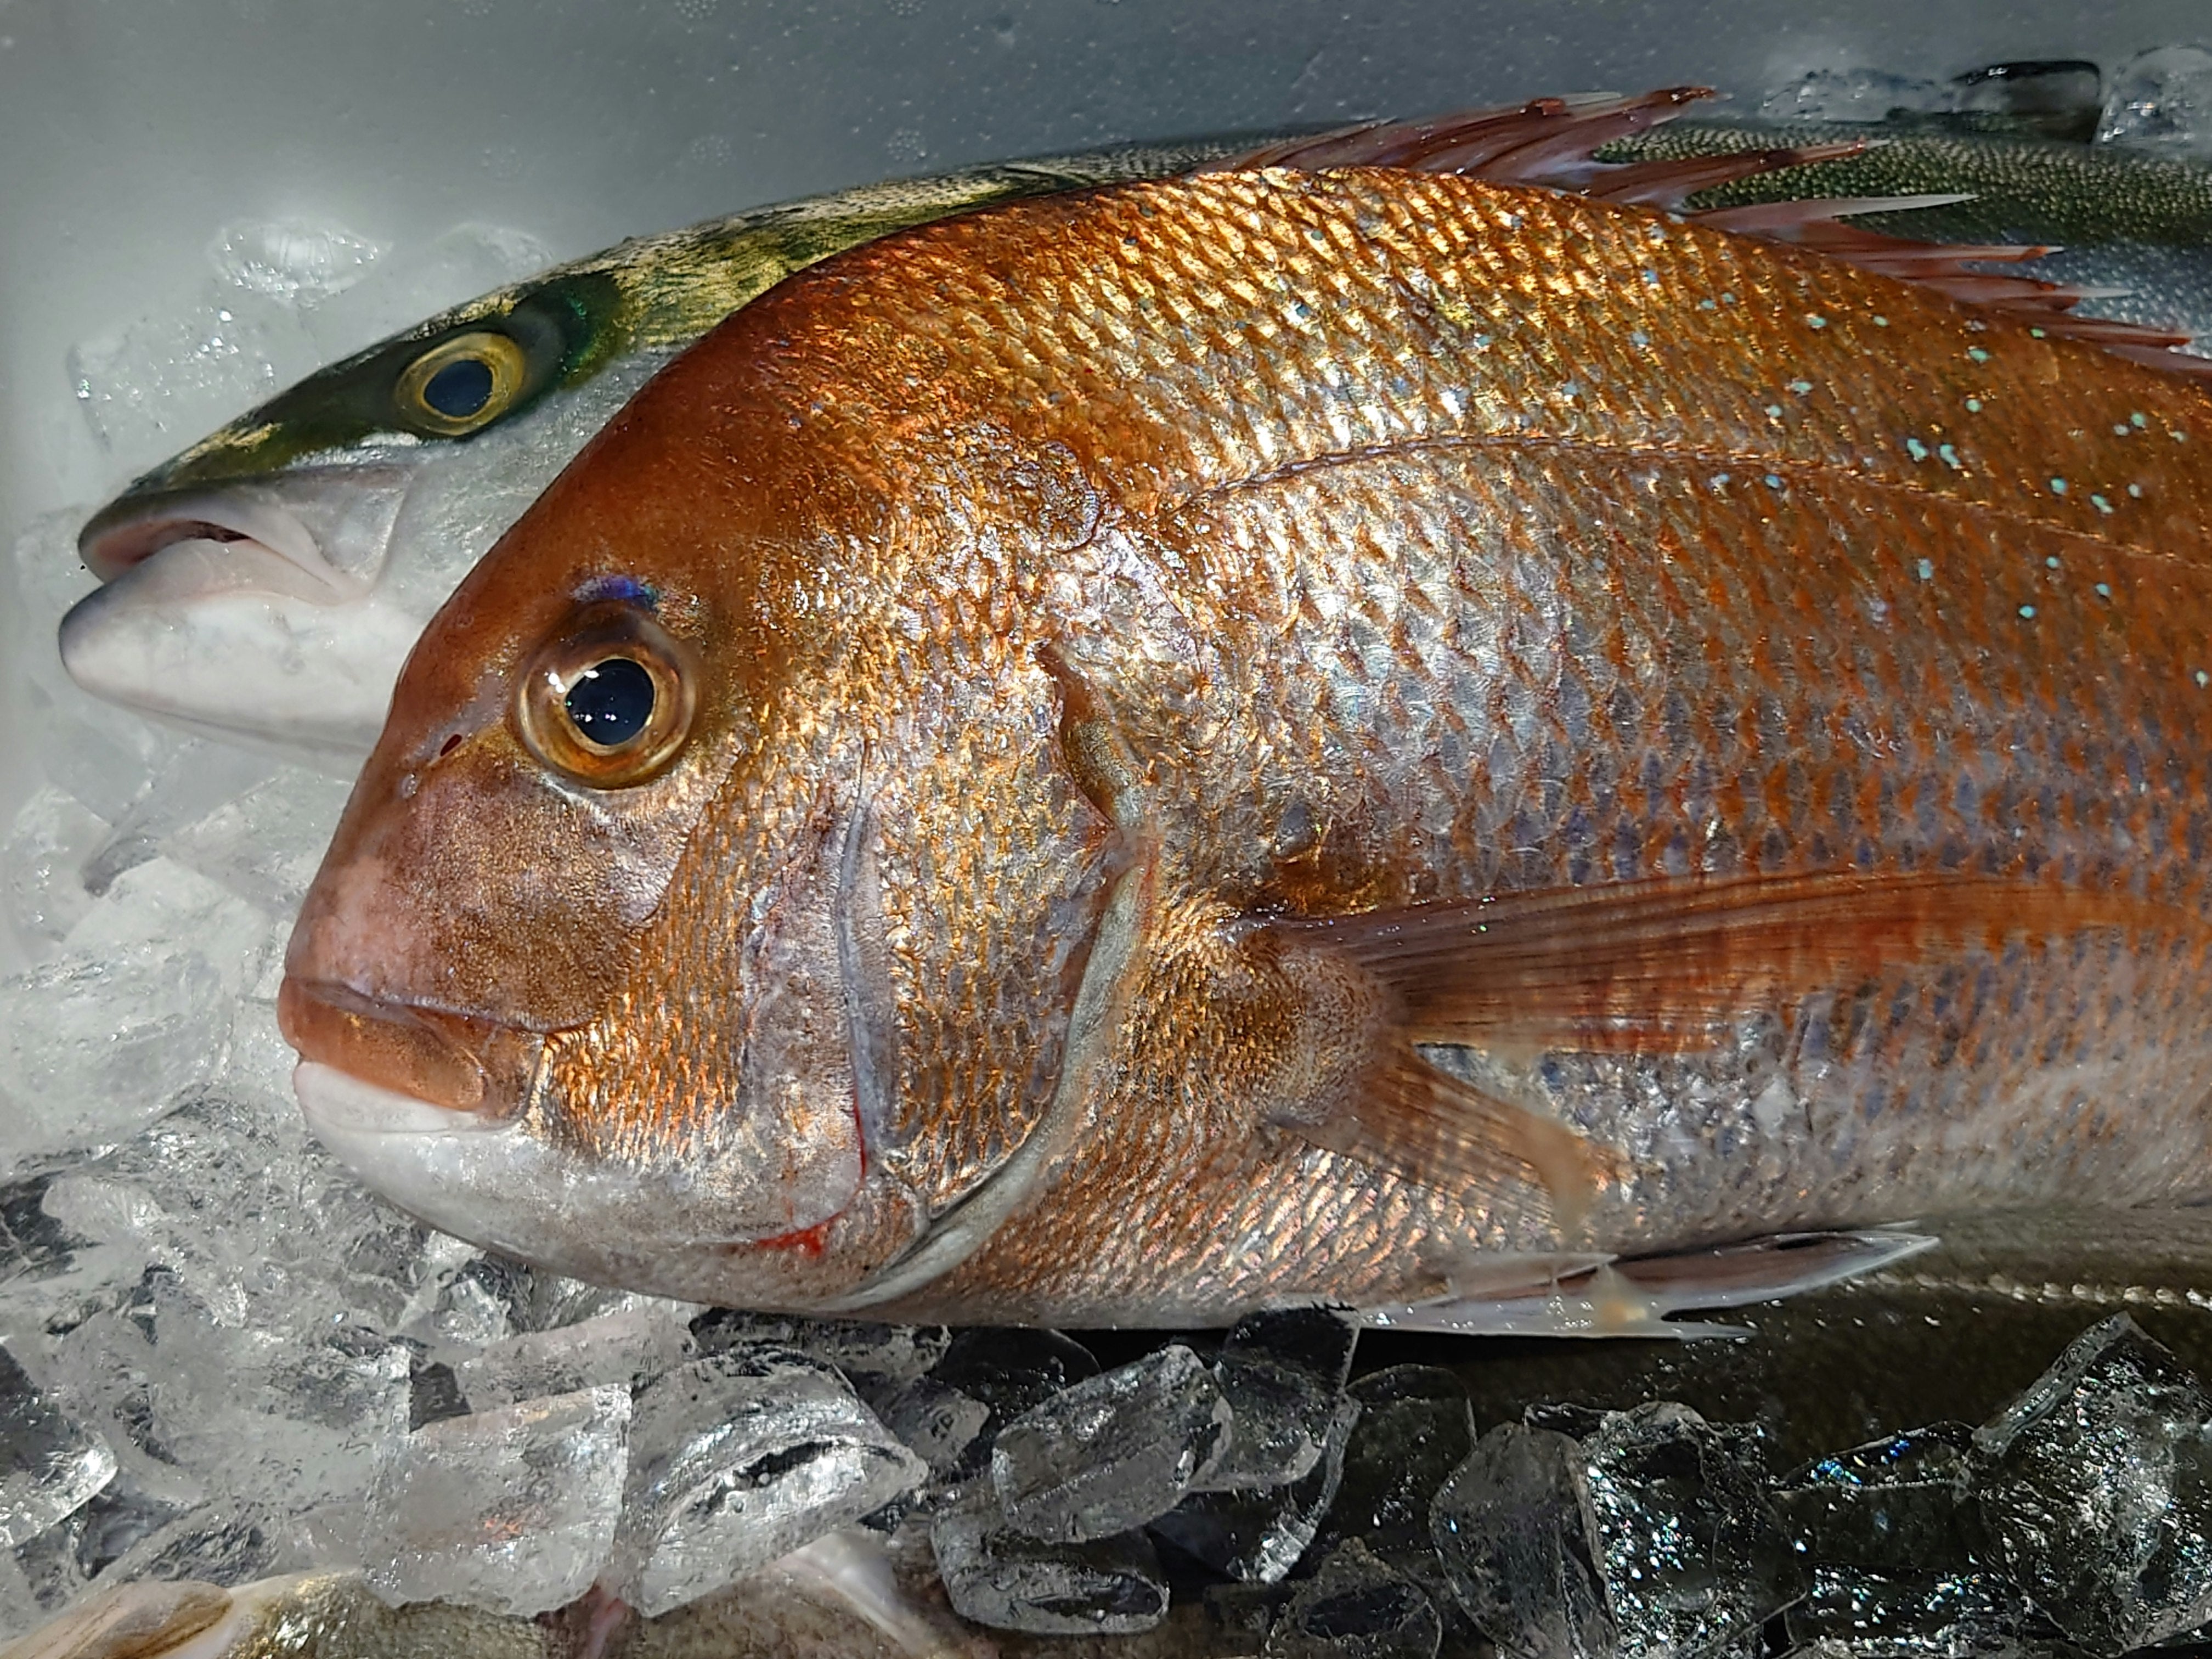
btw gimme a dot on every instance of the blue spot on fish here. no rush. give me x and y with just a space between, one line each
1915 448
1880 321
1950 457
1801 387
1639 338
2027 610
1814 319
1977 354
2138 418
2105 590
2058 486
1774 411
1927 567
2100 504
627 589
1973 405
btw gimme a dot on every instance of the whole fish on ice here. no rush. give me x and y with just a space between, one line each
1351 734
266 584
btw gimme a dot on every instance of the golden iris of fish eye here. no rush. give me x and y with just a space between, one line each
593 634
502 356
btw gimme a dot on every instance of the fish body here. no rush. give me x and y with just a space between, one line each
265 586
1356 736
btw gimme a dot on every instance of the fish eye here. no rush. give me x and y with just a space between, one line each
462 384
608 700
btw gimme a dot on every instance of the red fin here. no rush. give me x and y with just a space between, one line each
1667 965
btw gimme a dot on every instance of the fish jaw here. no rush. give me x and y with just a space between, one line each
506 1184
221 639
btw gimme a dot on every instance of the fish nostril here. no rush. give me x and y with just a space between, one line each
449 745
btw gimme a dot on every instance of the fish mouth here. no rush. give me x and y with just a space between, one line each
271 545
457 1064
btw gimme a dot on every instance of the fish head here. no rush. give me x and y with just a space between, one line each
614 962
265 586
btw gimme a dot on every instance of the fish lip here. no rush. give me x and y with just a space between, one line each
132 528
449 1062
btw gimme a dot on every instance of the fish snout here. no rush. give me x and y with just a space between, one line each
457 1062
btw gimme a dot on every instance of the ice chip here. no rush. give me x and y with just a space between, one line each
936 1422
1282 1374
1257 1534
2094 1491
1854 94
743 1457
94 1047
1896 1504
265 842
49 1466
513 1509
1519 1543
873 1358
1693 1556
997 1575
1007 1371
631 1344
2162 101
1356 1605
291 260
1318 1341
1415 1427
42 865
1880 1615
161 381
1113 1451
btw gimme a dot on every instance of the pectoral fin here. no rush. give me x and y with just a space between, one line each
1667 966
1656 967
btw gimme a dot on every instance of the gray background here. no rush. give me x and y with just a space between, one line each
131 129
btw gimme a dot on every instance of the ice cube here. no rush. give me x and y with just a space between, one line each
1854 95
42 865
997 1575
290 259
1897 1504
2162 101
1114 1451
1007 1371
1282 1374
1519 1542
49 1466
1258 1534
2094 1490
743 1457
1356 1605
95 1047
513 1509
265 841
221 1543
1415 1427
936 1422
875 1359
1905 1615
1693 1556
629 1344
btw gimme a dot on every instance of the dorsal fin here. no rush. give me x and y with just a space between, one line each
1552 142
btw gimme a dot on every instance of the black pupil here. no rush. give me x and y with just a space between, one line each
460 389
612 700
